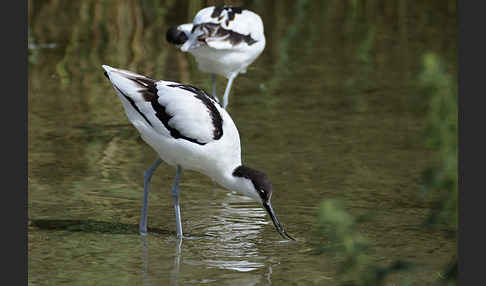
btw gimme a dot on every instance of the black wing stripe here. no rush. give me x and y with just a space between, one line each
149 93
200 94
164 117
231 11
132 103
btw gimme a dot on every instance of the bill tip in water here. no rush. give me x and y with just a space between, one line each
275 221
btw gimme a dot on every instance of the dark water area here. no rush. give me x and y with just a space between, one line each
331 109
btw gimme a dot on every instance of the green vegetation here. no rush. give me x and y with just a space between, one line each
439 90
356 266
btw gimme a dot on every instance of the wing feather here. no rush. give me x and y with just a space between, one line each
169 108
225 27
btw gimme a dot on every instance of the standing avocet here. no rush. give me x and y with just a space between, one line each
223 39
189 130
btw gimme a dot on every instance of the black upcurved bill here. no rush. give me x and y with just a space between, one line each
277 224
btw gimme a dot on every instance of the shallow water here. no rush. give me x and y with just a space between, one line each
330 110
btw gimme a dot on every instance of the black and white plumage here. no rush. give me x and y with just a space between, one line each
189 130
224 40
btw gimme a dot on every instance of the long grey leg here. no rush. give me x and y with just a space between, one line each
175 196
213 80
177 262
142 227
144 259
228 88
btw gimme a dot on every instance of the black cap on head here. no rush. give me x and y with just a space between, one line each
260 181
175 36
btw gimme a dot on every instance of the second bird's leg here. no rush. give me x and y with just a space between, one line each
213 81
142 227
228 88
175 196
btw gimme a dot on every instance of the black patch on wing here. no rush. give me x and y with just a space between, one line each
132 103
217 11
215 30
149 93
205 98
231 11
236 38
260 181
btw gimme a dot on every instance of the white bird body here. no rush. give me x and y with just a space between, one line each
229 62
224 40
230 45
190 130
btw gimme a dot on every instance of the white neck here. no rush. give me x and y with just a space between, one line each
238 184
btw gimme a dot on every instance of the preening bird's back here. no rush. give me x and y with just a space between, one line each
233 39
234 19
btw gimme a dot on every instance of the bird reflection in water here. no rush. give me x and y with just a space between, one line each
145 261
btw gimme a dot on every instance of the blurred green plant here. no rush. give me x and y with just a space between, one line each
366 47
33 53
356 268
440 89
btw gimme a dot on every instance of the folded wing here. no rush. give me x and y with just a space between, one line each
171 109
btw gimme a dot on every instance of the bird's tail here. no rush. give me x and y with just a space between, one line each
135 90
129 84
